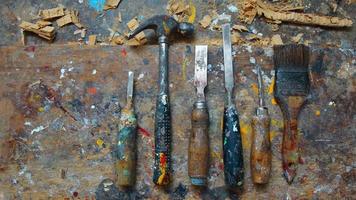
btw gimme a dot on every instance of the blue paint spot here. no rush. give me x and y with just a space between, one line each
98 5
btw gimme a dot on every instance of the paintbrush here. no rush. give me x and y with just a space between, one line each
291 88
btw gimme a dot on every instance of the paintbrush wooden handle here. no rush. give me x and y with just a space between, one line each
291 107
261 147
198 151
126 148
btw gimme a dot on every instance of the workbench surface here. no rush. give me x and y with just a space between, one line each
59 106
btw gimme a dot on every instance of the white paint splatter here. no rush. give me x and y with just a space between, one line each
232 8
332 103
28 124
38 129
92 106
268 51
171 85
234 127
140 76
164 99
93 72
63 71
252 60
249 48
70 69
80 1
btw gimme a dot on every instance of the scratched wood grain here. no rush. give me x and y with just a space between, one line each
59 107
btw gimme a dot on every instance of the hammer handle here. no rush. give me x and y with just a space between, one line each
232 148
198 151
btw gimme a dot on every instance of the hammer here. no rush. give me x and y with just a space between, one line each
163 25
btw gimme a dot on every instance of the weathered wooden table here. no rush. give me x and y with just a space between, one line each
59 106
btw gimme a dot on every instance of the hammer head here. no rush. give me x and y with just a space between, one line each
163 25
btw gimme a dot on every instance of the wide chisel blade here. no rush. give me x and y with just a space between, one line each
201 63
229 76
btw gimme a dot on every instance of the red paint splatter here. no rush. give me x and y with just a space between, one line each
301 160
144 132
221 166
163 160
75 194
92 90
30 49
123 52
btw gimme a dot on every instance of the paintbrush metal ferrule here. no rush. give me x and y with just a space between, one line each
201 65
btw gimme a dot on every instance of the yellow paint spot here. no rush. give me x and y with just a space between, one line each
192 12
317 112
273 101
37 97
100 142
277 123
272 135
246 131
254 88
41 109
271 87
184 69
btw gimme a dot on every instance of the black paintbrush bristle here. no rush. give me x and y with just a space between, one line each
292 56
291 65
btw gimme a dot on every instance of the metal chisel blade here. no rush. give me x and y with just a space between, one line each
201 65
130 87
229 76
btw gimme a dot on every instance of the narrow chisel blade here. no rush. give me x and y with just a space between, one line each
130 83
229 76
201 65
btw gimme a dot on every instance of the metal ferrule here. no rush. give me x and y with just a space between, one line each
163 64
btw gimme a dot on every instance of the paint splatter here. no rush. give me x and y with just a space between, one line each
98 5
38 129
123 52
91 90
192 16
100 142
254 88
144 132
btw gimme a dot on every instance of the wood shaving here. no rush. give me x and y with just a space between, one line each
240 28
92 40
111 4
71 16
206 21
51 13
46 32
297 38
284 13
140 37
118 40
276 40
236 38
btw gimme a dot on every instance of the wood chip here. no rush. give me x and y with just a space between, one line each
236 38
276 40
206 21
51 13
67 19
118 40
132 24
111 4
140 37
46 32
92 40
240 28
297 38
71 16
43 23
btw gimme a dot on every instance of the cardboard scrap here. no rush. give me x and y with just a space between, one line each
276 40
46 32
51 13
92 40
71 16
284 13
141 37
206 21
111 4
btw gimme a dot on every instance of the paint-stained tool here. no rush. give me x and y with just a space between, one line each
198 151
232 145
126 140
291 89
163 25
261 156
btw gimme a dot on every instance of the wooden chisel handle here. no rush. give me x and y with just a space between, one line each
261 147
198 151
232 148
126 148
162 163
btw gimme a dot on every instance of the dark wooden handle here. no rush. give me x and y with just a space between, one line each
162 163
126 149
198 151
261 156
232 148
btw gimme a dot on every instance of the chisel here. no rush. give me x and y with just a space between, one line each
232 146
126 140
260 146
198 151
291 90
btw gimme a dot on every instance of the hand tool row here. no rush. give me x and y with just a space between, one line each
291 88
